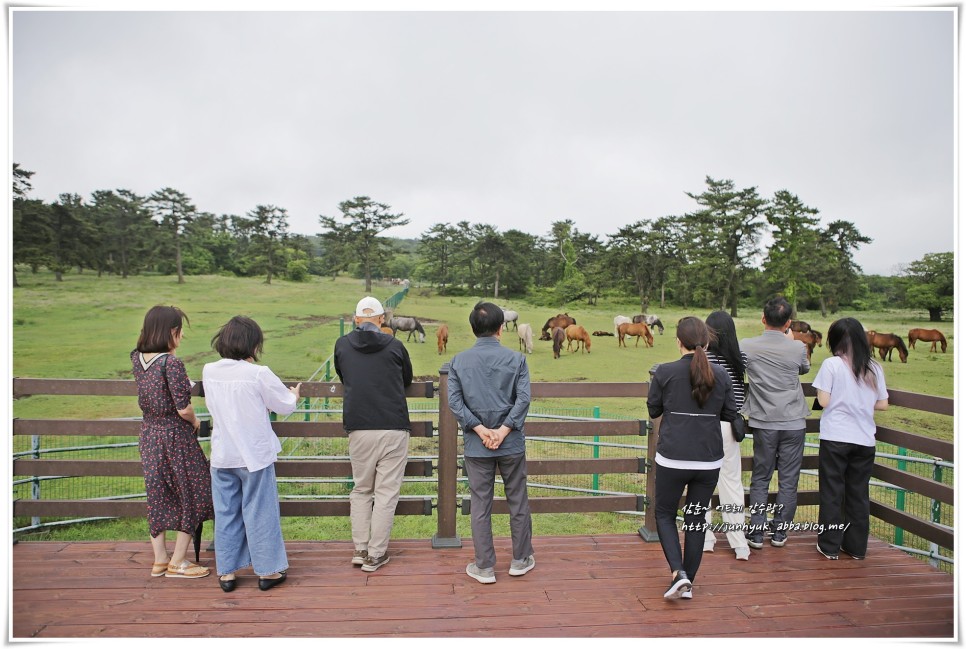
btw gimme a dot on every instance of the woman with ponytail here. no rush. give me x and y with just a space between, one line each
692 397
850 387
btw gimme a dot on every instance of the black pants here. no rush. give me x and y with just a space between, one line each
844 471
670 485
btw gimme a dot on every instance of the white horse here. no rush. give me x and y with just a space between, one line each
508 317
525 334
618 321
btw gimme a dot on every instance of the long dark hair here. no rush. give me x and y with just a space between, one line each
724 343
847 338
695 336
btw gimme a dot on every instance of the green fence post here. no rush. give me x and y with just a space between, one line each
900 498
35 483
596 448
937 475
327 378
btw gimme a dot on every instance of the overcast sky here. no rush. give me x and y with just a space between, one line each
517 119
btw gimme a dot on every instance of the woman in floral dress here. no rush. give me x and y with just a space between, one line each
176 476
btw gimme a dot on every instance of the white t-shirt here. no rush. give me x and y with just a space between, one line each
239 396
848 415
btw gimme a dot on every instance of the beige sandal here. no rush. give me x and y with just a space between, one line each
159 569
186 570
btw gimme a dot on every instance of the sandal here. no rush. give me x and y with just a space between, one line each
186 570
159 569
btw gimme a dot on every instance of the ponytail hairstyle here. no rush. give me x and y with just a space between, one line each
847 338
695 336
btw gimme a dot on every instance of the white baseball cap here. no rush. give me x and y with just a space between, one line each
370 304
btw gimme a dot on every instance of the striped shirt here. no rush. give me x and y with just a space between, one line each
737 384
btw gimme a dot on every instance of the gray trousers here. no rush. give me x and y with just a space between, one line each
481 472
781 449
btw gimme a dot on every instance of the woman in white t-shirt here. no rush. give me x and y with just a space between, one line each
239 395
850 387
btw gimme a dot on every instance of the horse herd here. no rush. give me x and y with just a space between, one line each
563 328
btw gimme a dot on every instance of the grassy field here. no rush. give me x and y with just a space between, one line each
85 327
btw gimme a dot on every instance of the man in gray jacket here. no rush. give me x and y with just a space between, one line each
776 410
489 394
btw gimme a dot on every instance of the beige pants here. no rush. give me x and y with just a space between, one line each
732 495
378 463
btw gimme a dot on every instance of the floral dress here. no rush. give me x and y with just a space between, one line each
176 475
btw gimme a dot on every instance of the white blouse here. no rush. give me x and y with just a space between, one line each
239 396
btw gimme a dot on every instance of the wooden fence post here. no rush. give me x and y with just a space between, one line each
648 531
446 469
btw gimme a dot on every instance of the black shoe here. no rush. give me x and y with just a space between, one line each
228 585
679 585
860 557
264 583
832 557
755 540
779 538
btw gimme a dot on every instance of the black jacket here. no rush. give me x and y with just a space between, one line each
375 370
689 432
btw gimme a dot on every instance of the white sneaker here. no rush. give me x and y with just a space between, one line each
522 566
482 575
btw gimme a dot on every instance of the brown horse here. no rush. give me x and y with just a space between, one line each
576 333
561 320
558 340
638 329
442 337
927 335
886 343
809 338
387 330
800 326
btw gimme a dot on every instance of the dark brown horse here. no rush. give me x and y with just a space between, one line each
558 340
927 335
809 338
800 326
886 343
561 320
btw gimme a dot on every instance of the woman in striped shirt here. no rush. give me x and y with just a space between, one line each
724 351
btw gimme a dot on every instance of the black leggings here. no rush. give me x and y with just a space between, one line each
670 485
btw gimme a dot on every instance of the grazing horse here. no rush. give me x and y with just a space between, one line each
525 334
809 338
508 317
558 340
927 335
886 343
576 333
619 320
561 320
409 324
638 329
442 337
650 320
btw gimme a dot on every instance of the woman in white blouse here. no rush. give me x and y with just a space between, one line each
239 396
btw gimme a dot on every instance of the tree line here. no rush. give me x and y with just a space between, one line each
734 247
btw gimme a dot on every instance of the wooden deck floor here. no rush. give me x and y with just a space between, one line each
582 586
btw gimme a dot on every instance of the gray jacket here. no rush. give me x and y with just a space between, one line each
775 399
489 384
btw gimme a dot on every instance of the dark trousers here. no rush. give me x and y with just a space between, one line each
781 450
669 486
481 474
844 471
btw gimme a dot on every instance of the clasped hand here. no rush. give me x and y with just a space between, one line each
492 437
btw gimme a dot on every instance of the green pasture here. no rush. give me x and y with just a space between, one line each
86 326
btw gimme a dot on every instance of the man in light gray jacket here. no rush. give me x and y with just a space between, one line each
776 411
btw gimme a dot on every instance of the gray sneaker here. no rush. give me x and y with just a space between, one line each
482 575
372 564
522 566
359 557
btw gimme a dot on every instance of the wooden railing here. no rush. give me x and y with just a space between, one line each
447 504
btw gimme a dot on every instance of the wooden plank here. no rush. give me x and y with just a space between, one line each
547 389
929 531
418 506
912 441
574 504
917 484
586 466
584 428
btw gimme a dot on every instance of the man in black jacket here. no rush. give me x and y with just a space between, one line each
375 371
